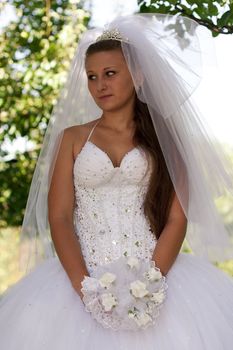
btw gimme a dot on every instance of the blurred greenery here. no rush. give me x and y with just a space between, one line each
9 242
216 15
35 53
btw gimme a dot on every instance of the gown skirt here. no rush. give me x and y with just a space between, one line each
44 312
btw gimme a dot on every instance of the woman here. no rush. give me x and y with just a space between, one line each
117 188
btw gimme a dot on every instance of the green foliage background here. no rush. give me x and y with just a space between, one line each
35 53
216 15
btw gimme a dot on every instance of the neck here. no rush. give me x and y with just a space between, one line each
119 120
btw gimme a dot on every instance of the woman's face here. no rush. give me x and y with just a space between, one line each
109 80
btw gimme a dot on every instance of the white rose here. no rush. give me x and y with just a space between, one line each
157 297
108 301
107 279
152 274
133 262
138 289
142 319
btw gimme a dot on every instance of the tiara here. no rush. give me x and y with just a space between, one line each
112 34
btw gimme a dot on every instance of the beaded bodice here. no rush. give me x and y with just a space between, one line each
108 216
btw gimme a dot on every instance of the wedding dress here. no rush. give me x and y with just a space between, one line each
44 312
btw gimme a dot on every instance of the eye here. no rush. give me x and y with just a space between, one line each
109 73
91 77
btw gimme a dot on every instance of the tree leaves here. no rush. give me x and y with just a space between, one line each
215 15
35 53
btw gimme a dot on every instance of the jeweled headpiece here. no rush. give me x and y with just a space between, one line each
112 34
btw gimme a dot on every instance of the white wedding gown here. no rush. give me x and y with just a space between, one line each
43 311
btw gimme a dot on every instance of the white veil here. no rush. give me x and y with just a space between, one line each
169 59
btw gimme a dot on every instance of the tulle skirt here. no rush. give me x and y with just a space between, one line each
43 312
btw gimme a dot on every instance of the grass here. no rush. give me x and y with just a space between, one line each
9 242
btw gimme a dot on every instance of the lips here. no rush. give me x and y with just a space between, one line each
104 97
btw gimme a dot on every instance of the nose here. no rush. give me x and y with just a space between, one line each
101 85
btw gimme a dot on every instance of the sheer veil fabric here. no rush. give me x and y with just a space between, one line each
164 56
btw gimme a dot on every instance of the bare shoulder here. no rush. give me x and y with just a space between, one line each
80 130
78 134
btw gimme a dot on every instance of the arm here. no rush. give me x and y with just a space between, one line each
60 210
171 238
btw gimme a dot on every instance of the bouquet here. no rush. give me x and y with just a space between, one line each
125 294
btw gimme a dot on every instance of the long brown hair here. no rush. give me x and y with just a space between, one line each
160 192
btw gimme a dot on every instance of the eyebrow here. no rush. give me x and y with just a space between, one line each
104 69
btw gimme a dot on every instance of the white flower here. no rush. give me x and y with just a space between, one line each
152 274
107 279
158 297
142 319
108 301
133 262
138 289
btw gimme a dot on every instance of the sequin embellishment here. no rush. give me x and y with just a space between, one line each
108 217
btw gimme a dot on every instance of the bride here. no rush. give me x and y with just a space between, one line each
134 178
111 85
